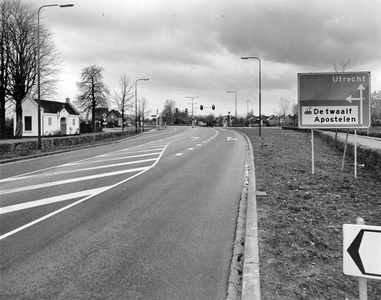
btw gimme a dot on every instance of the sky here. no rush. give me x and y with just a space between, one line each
194 47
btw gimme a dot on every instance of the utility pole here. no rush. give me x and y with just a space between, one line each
192 106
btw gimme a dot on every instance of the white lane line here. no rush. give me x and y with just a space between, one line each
198 145
190 148
179 154
12 232
115 158
35 203
49 184
138 150
78 170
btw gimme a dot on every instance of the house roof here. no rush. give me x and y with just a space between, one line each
54 107
117 113
100 111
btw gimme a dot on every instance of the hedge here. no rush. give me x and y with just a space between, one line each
24 147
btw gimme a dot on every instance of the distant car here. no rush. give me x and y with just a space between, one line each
209 124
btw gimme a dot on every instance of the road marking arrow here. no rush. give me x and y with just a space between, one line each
231 139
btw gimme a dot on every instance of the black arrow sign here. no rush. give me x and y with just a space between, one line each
353 251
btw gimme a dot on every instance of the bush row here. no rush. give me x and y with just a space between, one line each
370 157
24 147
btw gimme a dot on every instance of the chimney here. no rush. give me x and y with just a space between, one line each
67 99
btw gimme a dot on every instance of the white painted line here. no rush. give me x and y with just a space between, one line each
204 142
78 170
179 154
190 148
12 232
139 150
111 159
35 203
198 145
48 184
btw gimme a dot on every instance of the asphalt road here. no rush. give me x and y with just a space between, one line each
152 217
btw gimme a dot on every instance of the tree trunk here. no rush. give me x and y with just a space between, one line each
93 104
2 115
19 123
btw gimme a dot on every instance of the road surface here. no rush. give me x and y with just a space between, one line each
152 217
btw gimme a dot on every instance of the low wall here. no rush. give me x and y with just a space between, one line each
25 146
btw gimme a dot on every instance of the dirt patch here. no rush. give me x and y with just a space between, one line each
301 218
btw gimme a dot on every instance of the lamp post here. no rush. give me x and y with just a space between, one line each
38 70
247 111
192 106
136 102
235 97
260 88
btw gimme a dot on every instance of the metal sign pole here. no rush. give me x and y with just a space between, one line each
312 151
355 154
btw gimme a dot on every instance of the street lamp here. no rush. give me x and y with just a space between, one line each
247 111
38 69
192 105
260 88
235 97
136 102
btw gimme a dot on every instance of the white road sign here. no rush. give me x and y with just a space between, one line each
362 251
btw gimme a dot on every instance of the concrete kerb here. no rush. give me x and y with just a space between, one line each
251 277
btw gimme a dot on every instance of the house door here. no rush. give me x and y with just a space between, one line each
63 125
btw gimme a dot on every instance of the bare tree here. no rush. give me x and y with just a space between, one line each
343 66
4 63
93 92
124 97
284 107
143 109
169 109
19 45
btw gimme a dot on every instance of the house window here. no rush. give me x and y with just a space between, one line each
28 123
73 122
50 121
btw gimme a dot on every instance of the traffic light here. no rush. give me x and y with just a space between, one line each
177 110
201 107
213 106
186 110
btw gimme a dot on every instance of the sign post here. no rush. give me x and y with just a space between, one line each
334 100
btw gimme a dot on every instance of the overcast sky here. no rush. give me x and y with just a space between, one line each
194 47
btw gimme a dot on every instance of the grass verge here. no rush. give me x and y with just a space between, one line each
301 218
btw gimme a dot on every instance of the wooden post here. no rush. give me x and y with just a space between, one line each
362 281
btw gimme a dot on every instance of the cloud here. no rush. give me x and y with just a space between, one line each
194 46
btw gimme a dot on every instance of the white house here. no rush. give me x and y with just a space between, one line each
55 117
